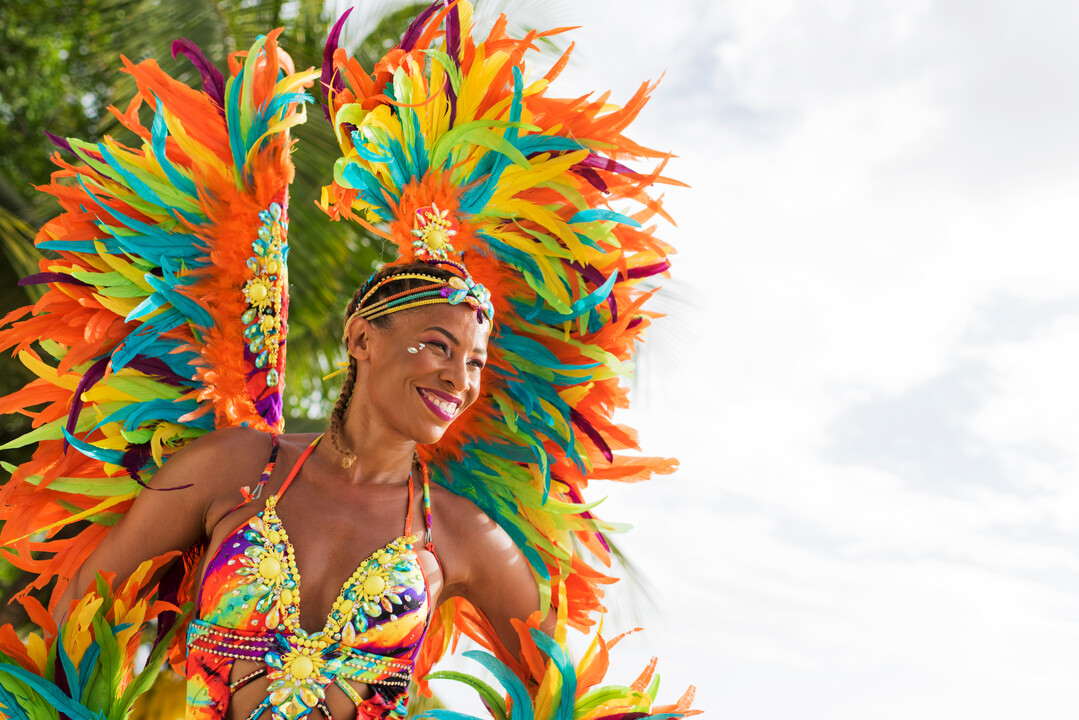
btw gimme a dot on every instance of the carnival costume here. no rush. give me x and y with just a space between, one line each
248 607
166 316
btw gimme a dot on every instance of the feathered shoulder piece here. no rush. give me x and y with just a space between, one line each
546 199
166 301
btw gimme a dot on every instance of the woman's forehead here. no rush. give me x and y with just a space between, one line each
458 321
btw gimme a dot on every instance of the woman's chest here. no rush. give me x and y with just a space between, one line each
257 580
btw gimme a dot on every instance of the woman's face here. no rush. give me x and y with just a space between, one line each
424 368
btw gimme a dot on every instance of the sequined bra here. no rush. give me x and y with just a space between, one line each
249 608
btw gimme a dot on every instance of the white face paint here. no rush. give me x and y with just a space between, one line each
415 350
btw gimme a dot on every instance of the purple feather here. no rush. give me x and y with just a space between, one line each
576 497
329 79
213 83
63 144
59 142
60 677
453 46
594 276
52 277
135 458
601 163
586 427
634 323
88 380
270 408
168 590
157 368
649 270
591 176
415 30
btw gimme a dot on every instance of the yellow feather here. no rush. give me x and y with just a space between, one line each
476 84
103 505
120 264
69 381
560 426
120 306
38 651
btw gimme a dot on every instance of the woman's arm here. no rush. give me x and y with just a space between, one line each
160 520
485 567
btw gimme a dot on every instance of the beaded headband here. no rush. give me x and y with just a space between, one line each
432 229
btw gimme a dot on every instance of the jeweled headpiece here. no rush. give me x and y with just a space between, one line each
432 230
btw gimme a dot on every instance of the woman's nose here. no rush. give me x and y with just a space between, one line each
455 374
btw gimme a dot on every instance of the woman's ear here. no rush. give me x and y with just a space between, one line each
358 338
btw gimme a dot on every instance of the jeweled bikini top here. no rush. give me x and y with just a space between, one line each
249 607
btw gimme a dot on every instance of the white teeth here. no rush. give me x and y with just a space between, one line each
447 407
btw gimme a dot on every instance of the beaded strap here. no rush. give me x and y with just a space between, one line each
428 542
228 642
245 491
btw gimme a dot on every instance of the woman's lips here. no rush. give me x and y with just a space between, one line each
443 405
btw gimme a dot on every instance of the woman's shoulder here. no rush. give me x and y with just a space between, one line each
233 442
459 518
220 456
476 553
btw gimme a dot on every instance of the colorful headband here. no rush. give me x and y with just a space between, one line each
432 229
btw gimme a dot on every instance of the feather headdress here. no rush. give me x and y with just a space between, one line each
549 217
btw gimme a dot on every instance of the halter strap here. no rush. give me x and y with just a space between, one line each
249 496
299 463
428 542
245 491
408 515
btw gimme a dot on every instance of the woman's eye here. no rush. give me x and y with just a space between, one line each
442 347
478 364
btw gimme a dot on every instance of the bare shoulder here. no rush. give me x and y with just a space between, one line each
466 538
219 462
458 515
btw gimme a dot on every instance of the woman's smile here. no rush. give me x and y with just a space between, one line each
442 404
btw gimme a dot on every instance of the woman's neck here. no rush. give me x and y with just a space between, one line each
381 456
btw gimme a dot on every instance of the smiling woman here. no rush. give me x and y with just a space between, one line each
416 358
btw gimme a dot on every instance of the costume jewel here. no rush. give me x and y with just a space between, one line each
432 230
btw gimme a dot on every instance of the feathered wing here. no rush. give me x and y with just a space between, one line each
165 312
551 219
85 668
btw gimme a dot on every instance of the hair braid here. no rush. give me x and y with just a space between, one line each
337 417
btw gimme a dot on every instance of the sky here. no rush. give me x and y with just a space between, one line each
868 371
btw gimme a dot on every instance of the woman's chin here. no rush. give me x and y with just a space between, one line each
431 435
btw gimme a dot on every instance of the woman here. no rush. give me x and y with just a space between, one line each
411 373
